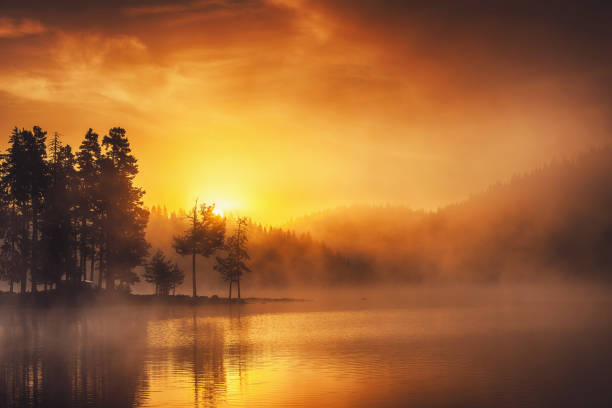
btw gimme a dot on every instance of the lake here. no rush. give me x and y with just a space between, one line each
431 349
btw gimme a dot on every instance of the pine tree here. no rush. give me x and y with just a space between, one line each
163 273
38 172
88 201
204 236
123 218
12 265
24 177
58 218
232 266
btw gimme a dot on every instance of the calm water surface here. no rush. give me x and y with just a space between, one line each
506 353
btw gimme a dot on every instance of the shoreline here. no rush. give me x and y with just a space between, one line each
101 298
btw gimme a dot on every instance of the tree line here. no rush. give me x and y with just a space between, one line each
205 236
281 257
68 217
549 223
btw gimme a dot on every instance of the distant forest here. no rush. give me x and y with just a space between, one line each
552 223
73 216
279 258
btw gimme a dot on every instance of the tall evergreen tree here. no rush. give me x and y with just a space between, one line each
204 236
232 265
12 265
88 160
58 222
123 218
24 175
36 167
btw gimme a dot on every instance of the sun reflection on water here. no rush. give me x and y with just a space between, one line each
233 356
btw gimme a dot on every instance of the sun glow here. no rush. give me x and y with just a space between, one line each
218 211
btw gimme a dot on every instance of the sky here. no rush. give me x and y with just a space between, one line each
278 108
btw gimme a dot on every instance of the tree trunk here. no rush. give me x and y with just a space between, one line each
110 281
83 250
230 292
100 272
78 271
84 264
238 282
193 256
93 263
11 286
24 281
33 251
24 272
12 255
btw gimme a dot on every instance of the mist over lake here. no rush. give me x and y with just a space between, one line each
305 203
426 347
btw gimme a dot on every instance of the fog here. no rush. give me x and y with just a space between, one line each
552 224
275 109
477 345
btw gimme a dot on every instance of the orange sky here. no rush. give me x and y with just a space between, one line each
278 108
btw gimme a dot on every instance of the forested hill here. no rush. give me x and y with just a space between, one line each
71 216
555 221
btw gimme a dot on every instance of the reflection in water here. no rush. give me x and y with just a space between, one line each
63 358
502 355
207 360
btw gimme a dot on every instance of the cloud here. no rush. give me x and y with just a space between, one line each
36 88
91 69
403 99
176 7
13 28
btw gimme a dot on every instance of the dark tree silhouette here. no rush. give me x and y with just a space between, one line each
123 218
88 201
12 265
36 168
232 265
164 274
204 236
24 177
58 210
58 229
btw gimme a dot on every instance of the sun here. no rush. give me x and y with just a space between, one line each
223 206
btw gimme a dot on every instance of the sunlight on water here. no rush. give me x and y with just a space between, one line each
506 355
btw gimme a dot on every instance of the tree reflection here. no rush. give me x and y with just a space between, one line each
122 357
50 359
209 380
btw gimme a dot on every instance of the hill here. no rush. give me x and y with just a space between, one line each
554 221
